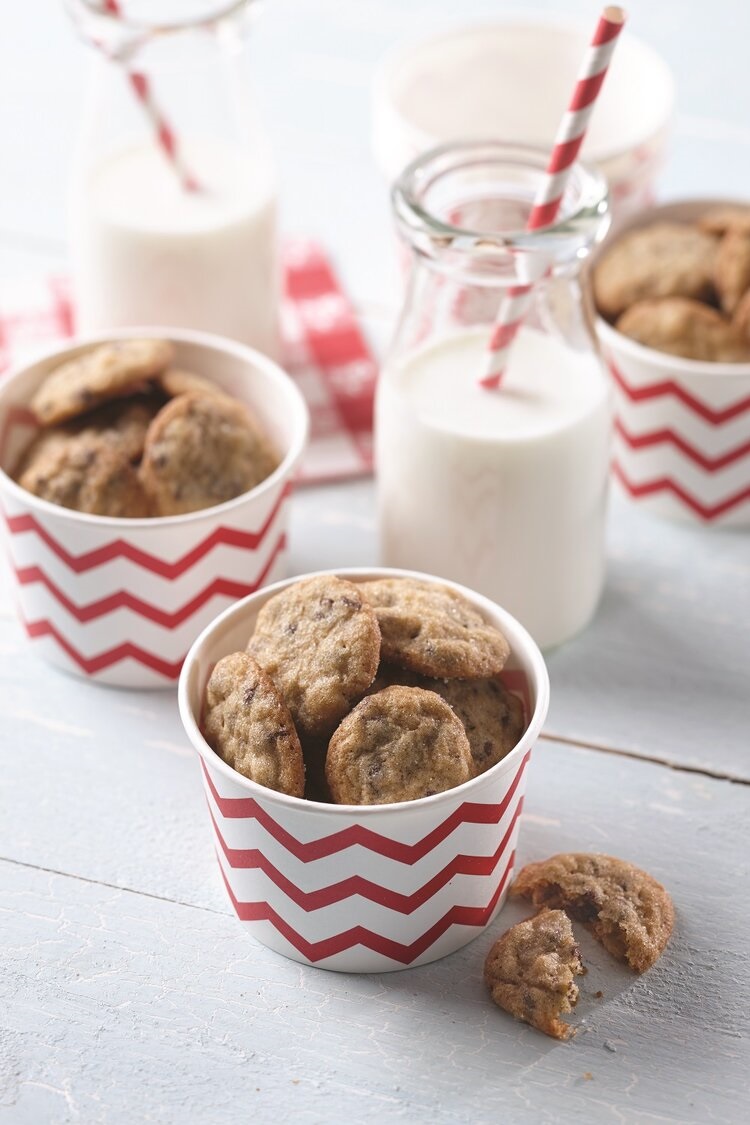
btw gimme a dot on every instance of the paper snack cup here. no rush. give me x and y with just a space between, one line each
682 426
368 888
509 80
121 600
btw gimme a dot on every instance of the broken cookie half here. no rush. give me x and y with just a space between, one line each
531 970
625 908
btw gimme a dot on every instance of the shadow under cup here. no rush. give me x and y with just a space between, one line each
120 601
369 888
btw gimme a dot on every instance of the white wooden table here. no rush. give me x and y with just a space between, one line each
128 991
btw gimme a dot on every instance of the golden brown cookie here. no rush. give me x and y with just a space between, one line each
105 372
530 972
430 629
624 908
686 328
492 716
202 450
247 723
398 745
719 220
732 269
174 381
319 641
85 472
662 260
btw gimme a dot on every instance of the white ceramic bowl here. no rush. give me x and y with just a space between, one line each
682 427
511 81
365 888
121 600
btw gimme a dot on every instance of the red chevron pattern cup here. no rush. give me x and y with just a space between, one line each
371 888
682 427
122 600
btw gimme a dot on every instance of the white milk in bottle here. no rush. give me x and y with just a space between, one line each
172 205
503 491
146 251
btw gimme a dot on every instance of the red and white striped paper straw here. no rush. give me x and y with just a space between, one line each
163 131
568 141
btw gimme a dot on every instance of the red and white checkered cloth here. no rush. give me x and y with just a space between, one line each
324 350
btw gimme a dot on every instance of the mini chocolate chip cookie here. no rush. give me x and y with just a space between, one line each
732 269
398 745
202 450
174 381
624 908
319 641
106 372
83 471
247 723
662 260
686 328
719 220
530 972
492 716
430 629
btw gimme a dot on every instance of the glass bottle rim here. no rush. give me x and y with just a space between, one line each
122 17
583 219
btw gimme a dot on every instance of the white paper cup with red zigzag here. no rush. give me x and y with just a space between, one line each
121 600
682 427
369 888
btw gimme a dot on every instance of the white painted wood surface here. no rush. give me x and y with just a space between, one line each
128 991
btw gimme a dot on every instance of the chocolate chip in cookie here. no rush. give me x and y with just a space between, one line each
400 744
530 972
319 641
624 907
247 723
429 628
686 328
106 372
661 260
203 450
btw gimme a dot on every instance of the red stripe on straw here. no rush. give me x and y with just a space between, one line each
563 156
609 27
163 131
586 91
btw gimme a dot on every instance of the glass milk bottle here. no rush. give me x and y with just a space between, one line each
502 490
172 195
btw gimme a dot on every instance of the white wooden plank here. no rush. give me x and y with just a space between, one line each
664 669
118 1007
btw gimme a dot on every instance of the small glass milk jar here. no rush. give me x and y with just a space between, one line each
503 490
172 209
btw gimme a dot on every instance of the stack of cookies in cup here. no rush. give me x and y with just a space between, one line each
364 693
682 287
126 434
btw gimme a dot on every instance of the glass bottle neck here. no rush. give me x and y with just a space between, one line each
462 209
136 32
